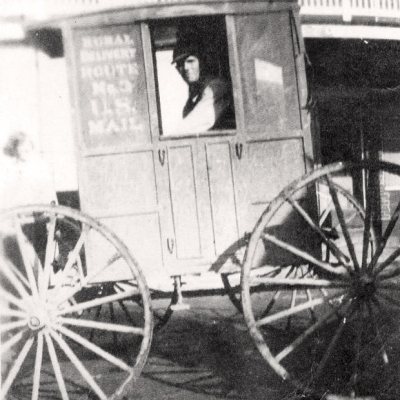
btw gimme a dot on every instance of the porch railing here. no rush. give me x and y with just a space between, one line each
348 9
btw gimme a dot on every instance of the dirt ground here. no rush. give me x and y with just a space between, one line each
207 353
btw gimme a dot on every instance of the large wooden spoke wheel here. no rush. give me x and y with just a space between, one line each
76 320
321 280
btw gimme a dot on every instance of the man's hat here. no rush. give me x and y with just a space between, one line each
183 51
189 43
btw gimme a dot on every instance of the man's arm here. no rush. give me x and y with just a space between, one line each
212 105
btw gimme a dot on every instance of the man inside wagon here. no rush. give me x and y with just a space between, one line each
209 104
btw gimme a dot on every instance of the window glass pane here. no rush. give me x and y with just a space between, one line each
268 73
192 74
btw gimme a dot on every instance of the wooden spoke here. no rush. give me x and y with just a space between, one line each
16 367
38 367
357 348
18 274
299 283
72 259
9 326
90 278
293 310
114 258
7 271
377 332
342 258
126 312
271 304
333 343
7 344
97 315
388 275
56 366
367 222
306 256
310 298
112 318
78 364
94 348
387 262
329 301
101 325
304 336
387 285
292 306
120 287
10 312
49 257
385 237
270 272
26 248
96 302
22 305
342 222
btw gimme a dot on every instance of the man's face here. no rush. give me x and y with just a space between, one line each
189 68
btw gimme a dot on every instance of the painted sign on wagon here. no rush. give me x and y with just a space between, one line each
111 86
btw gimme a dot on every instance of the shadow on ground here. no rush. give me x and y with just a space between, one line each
206 352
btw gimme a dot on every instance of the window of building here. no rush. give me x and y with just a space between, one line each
192 75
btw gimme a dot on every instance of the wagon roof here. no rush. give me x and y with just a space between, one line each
57 11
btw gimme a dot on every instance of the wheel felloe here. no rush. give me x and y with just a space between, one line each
75 310
327 317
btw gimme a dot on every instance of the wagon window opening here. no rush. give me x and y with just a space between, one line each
192 76
269 76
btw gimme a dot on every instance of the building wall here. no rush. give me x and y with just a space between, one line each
19 90
34 98
55 121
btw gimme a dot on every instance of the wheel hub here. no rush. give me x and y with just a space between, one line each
38 319
35 323
364 286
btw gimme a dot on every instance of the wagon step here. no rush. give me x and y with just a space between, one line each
179 305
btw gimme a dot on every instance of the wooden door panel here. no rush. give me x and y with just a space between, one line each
222 195
184 202
119 184
140 234
266 168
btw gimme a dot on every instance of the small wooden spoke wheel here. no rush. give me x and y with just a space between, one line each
76 319
321 279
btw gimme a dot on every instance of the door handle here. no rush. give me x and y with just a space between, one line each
161 156
170 245
239 150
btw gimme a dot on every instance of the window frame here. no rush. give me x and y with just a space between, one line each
152 78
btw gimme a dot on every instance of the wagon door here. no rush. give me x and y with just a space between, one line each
195 169
275 141
116 157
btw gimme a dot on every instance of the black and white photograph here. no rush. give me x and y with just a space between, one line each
199 199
